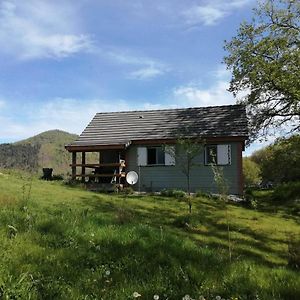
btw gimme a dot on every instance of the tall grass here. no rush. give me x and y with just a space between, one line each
74 244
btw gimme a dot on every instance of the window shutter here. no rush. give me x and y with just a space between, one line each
142 156
224 154
169 159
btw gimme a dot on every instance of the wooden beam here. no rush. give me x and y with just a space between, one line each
123 174
83 164
93 148
208 139
99 165
74 165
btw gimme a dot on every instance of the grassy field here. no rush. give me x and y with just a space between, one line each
59 242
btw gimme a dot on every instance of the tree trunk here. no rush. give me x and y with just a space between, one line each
188 179
190 205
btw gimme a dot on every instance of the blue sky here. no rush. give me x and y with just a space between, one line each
62 61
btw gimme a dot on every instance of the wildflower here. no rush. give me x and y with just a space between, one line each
155 297
136 295
107 273
186 297
201 298
218 298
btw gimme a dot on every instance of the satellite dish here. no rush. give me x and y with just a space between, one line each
132 177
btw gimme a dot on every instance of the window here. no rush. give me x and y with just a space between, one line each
218 154
211 154
155 156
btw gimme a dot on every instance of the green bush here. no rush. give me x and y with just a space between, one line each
58 177
200 193
179 194
127 190
287 191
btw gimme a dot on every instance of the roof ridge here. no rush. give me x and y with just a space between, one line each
165 109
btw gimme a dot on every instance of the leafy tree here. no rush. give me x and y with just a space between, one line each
280 162
251 172
222 188
264 58
185 152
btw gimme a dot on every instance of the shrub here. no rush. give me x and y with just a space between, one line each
127 190
287 191
200 193
74 183
249 195
251 172
179 194
58 177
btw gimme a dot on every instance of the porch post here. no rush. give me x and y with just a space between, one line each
83 166
74 165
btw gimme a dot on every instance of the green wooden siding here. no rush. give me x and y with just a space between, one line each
156 178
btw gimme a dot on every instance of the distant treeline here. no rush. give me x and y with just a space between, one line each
16 156
277 163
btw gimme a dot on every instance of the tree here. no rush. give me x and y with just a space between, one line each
184 153
251 172
280 162
264 58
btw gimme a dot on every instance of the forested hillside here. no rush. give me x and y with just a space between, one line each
277 163
43 150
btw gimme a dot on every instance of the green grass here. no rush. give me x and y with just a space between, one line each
59 242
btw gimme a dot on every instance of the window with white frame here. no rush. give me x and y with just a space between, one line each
154 155
218 154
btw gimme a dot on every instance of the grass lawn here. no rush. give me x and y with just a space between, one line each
59 242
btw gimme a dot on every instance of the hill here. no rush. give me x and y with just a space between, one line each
43 150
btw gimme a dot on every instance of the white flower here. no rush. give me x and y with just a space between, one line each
201 298
107 273
186 297
218 298
155 297
136 295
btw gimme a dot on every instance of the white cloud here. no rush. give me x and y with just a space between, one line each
144 67
217 94
211 12
207 15
146 73
71 115
38 29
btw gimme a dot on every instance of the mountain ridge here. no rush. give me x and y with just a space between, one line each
44 150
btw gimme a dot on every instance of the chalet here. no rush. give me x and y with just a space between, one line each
134 140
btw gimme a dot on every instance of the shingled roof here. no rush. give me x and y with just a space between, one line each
122 128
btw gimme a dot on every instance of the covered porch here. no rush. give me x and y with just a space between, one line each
98 164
